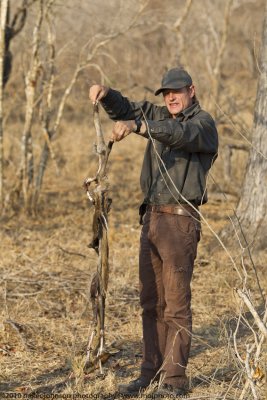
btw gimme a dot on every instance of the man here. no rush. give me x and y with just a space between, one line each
182 145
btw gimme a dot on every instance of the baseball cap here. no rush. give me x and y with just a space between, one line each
175 78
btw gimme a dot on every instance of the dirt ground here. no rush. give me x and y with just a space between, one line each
46 270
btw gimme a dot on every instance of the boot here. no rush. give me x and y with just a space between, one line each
135 386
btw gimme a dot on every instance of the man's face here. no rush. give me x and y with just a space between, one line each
179 99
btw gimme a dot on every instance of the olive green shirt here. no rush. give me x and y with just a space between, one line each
187 145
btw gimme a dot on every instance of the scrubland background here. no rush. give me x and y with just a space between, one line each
46 266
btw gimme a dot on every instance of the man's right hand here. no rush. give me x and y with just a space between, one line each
97 92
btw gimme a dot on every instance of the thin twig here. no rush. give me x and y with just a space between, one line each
72 253
254 313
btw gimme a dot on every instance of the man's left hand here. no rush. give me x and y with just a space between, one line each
121 129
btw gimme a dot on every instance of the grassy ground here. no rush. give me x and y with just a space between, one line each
46 270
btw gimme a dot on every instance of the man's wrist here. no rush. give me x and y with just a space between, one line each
138 125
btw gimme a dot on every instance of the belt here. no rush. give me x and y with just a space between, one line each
184 209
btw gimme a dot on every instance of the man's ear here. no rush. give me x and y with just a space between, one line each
192 91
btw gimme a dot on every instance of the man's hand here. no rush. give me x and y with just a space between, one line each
121 129
97 92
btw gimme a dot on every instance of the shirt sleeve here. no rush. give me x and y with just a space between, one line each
121 108
194 135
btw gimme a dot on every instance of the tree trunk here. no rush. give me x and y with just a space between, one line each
252 206
27 166
4 7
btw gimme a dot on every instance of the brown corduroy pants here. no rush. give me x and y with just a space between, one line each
168 247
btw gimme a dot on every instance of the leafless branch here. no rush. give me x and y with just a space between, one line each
251 308
216 73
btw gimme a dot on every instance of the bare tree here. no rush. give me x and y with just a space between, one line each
13 26
10 27
27 167
252 207
42 92
87 60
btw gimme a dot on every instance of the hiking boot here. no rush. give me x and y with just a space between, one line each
171 391
134 387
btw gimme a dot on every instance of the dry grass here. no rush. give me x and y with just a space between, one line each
46 270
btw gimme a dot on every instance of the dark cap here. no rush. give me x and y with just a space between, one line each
175 78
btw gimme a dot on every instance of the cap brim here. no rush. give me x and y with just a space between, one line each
157 92
176 87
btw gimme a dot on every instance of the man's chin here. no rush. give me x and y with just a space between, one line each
175 110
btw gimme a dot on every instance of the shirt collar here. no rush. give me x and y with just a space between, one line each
190 111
